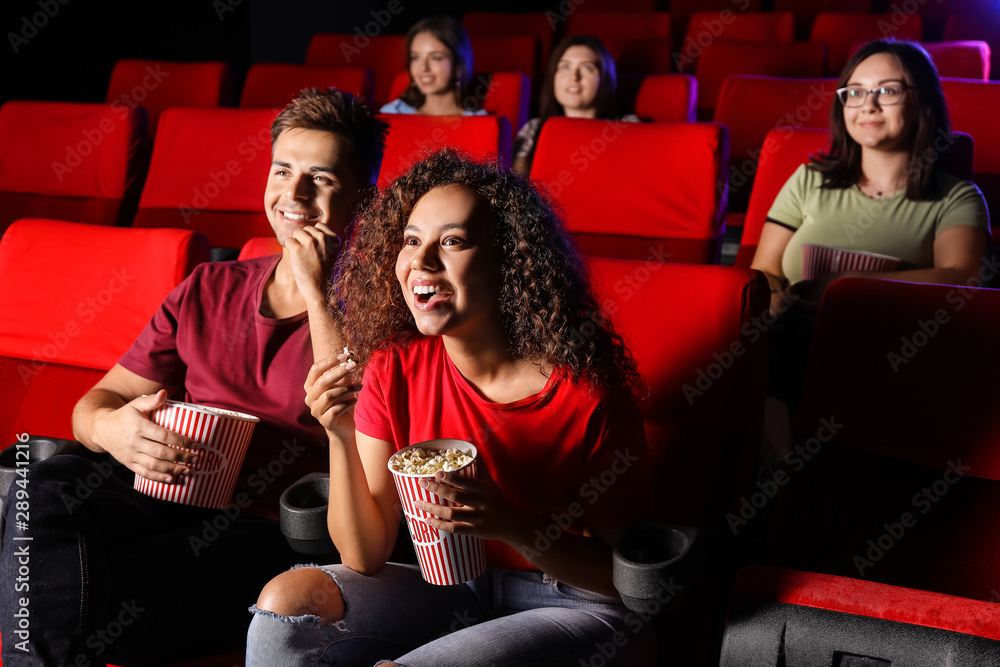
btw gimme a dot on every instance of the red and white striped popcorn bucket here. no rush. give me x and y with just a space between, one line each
445 558
220 436
819 260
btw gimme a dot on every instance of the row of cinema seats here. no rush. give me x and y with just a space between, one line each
874 541
669 180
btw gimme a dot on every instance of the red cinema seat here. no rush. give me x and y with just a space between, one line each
622 199
706 27
805 11
506 94
976 25
968 59
619 24
788 617
515 53
384 55
839 31
413 137
676 348
781 153
74 297
751 106
665 97
724 58
260 246
157 85
635 6
681 12
208 172
273 85
652 55
72 161
502 24
969 107
898 450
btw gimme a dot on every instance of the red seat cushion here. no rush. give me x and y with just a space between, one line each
273 85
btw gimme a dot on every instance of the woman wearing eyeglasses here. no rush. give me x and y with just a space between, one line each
883 187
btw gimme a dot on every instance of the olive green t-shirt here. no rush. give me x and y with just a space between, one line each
894 225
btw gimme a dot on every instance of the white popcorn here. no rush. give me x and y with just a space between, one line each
420 461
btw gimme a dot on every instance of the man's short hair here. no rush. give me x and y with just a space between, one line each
338 112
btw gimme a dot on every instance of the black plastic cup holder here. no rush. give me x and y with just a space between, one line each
303 507
652 566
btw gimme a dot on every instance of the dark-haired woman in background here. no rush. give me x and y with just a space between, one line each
882 187
580 82
439 58
462 292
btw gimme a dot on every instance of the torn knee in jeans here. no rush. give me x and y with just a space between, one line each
301 593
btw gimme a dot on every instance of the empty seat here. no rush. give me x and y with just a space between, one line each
724 58
751 106
74 297
208 172
622 199
681 12
970 105
983 25
384 55
653 55
72 161
619 24
968 59
662 97
505 54
502 24
706 27
273 85
805 11
839 31
412 137
506 94
157 85
260 246
778 612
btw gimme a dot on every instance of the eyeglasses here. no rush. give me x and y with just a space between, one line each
887 95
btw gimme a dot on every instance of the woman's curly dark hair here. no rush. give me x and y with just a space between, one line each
546 305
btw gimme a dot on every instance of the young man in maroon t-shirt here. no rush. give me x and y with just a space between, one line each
238 335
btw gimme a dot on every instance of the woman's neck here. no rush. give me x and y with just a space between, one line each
489 365
443 104
581 113
884 171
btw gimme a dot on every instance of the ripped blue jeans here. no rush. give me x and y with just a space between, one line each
504 617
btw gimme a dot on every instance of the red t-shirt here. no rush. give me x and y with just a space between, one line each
209 338
571 453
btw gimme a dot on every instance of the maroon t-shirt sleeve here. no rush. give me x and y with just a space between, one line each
154 353
614 483
371 414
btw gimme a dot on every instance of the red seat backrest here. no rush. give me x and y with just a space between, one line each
622 199
500 24
273 85
507 94
74 297
703 360
513 53
77 160
158 85
805 11
782 151
667 97
650 55
706 27
260 246
724 58
412 137
384 55
619 25
208 172
978 25
839 31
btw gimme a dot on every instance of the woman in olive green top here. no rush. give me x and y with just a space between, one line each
882 187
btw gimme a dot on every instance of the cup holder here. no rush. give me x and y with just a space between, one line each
652 566
39 448
303 508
